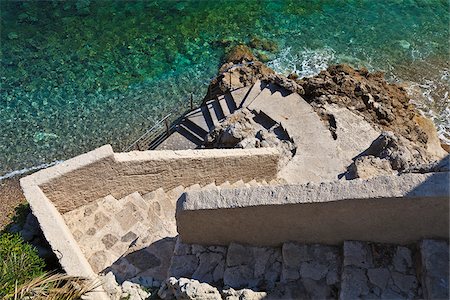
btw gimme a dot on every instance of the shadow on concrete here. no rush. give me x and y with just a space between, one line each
276 88
148 262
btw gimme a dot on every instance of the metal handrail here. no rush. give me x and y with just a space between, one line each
164 127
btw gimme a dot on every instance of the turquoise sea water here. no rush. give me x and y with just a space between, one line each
79 74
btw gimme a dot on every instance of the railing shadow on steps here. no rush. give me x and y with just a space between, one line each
164 127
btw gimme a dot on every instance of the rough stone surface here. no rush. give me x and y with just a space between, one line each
247 294
127 290
187 289
206 264
244 129
385 105
315 267
378 271
435 269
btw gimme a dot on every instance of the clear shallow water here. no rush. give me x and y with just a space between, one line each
79 74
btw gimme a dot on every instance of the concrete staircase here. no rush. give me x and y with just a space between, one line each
126 235
198 123
354 270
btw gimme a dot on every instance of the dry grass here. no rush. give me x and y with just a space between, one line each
54 287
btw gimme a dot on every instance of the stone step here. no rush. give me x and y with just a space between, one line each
210 186
196 121
225 184
239 183
209 117
253 183
227 104
190 135
215 110
255 90
238 96
193 187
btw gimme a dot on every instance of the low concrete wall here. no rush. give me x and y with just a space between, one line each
392 209
102 172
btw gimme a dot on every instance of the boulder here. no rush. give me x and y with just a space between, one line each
184 288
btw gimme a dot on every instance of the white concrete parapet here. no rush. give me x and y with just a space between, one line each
88 177
388 209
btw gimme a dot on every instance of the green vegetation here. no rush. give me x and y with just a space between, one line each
23 275
19 263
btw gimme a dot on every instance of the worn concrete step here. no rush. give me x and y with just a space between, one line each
215 110
224 102
211 185
162 206
197 118
238 96
190 135
255 90
193 187
239 183
225 184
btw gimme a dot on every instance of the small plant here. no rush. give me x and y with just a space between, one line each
19 263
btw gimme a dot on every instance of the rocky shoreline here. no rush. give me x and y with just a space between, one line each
408 143
400 141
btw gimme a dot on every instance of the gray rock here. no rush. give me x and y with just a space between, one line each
402 260
110 286
244 294
316 290
183 265
435 269
332 277
294 254
357 254
406 283
390 294
187 289
353 283
239 277
379 277
208 262
313 270
133 291
144 281
238 255
182 248
197 249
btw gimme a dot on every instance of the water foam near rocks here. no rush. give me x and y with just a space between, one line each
95 72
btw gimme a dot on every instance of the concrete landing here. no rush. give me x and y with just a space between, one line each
316 158
319 157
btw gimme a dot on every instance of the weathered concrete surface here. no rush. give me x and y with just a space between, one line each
388 209
319 157
102 172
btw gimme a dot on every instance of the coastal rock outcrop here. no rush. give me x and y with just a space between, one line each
240 130
242 69
384 105
391 153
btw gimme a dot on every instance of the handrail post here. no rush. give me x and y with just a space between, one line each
192 101
167 126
